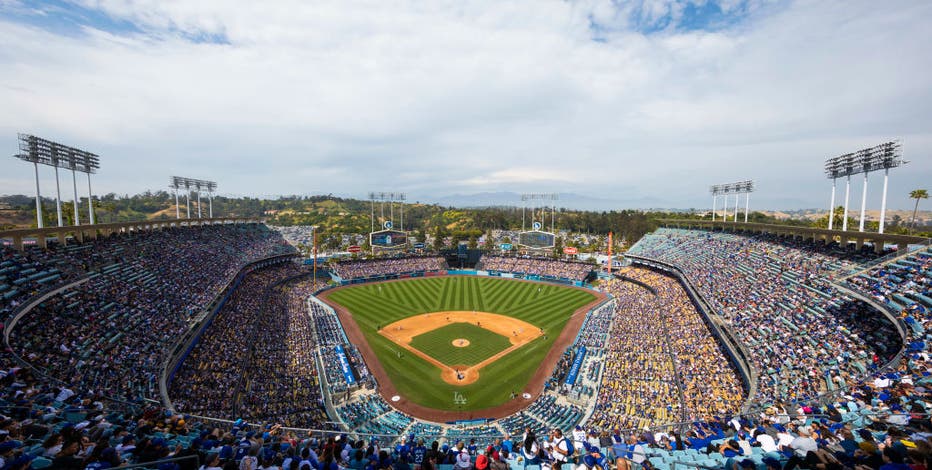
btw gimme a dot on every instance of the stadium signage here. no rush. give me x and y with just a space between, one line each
570 250
506 246
577 363
418 246
345 366
354 249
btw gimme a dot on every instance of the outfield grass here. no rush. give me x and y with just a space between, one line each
545 306
483 344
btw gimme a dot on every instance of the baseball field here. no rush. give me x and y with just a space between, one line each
460 343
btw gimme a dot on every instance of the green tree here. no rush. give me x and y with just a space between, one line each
489 243
438 238
917 194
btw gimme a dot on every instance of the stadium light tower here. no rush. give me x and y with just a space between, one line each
714 190
880 157
724 190
543 197
833 170
889 157
178 182
175 186
390 197
37 150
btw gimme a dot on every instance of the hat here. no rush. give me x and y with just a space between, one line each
804 431
748 463
128 438
482 462
779 427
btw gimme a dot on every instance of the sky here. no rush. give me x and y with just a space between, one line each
645 102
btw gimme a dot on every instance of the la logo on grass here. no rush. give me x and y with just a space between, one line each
458 398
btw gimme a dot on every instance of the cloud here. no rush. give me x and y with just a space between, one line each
441 97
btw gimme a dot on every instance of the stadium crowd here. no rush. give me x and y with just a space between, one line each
361 269
876 421
109 332
663 364
804 336
257 358
536 266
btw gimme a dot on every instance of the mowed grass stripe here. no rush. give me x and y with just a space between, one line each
508 289
475 297
420 381
416 295
549 302
445 296
461 303
490 290
522 297
385 306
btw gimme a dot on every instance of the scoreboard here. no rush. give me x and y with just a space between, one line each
536 239
388 239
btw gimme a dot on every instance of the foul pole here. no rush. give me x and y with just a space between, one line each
609 253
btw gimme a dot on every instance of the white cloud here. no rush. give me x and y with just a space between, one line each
437 97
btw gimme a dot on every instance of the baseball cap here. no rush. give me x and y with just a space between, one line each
482 462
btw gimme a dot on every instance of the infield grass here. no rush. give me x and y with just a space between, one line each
482 344
546 306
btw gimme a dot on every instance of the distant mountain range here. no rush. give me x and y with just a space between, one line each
565 200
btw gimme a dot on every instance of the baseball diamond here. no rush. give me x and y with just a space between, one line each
434 338
512 327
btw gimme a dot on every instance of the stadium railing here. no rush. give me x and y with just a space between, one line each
843 275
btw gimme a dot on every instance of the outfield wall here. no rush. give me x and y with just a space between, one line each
459 272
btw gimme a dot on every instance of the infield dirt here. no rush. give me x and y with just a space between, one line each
517 331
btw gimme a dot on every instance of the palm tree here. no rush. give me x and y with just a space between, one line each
917 194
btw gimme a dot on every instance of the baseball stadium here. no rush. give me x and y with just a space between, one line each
702 335
465 235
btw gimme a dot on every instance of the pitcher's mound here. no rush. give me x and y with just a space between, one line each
460 342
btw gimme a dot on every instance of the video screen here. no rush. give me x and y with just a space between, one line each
388 238
536 239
